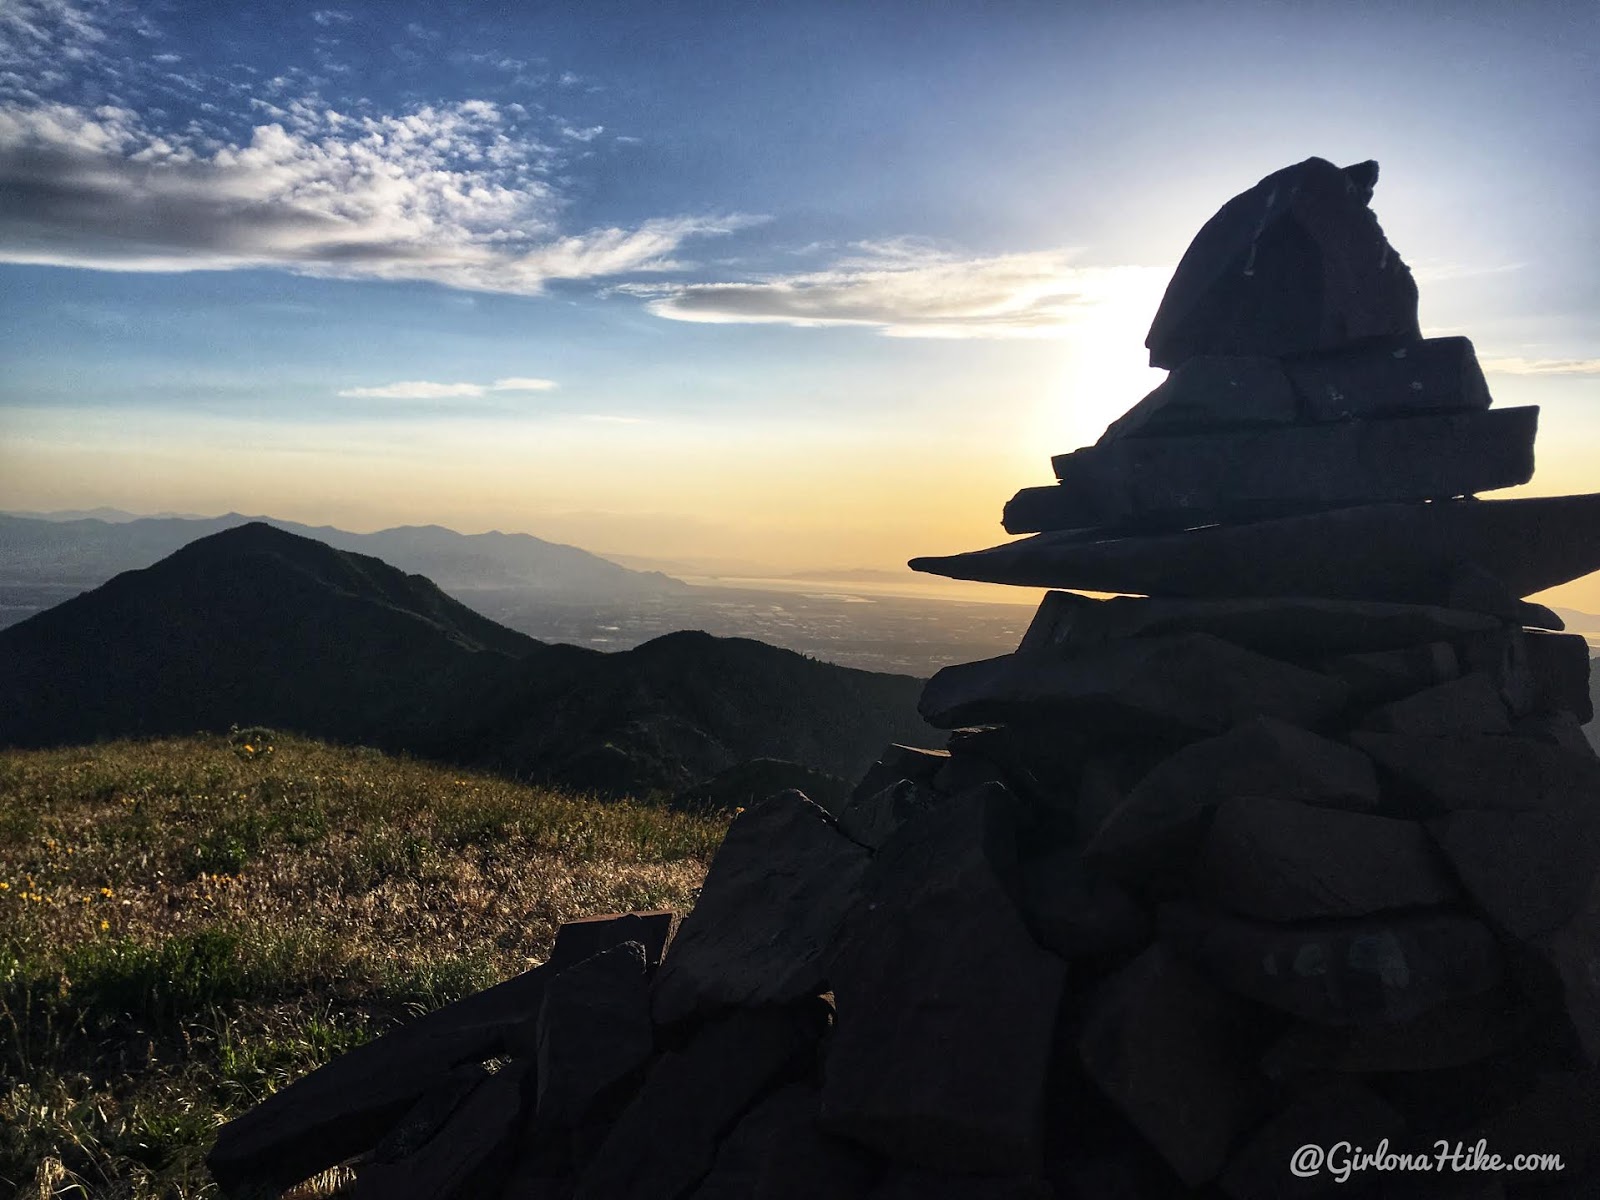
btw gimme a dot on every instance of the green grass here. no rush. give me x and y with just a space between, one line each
187 925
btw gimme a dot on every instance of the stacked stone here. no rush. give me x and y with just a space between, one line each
1299 846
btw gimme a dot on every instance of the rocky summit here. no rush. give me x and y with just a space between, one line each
1295 844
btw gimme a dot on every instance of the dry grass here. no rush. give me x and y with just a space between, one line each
187 924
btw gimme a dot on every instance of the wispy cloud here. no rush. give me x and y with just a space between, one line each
422 389
518 383
1542 366
442 193
466 193
904 288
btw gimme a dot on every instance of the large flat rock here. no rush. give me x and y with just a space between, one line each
1299 628
1195 479
1387 378
777 889
1386 968
1191 682
1404 553
946 1007
1279 860
1298 263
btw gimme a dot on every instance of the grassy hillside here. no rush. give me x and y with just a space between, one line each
187 924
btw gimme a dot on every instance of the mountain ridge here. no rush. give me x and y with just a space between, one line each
254 624
89 550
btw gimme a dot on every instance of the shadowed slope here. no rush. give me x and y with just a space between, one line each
255 624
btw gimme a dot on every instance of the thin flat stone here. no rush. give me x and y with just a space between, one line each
1190 681
1431 375
1196 479
1292 627
1400 553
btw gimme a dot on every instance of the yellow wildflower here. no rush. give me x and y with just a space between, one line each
4 887
106 892
104 925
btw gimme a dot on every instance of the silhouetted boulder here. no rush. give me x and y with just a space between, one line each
777 889
899 762
1465 771
777 1152
944 1000
1470 704
667 1138
1392 967
1337 1117
588 936
1527 872
593 1033
1297 263
1559 666
1165 1046
1280 860
747 784
469 1154
872 820
1162 818
1452 1034
345 1107
1385 675
1075 911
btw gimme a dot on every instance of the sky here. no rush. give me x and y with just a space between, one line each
749 287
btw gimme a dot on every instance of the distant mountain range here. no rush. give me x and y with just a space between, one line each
258 625
88 549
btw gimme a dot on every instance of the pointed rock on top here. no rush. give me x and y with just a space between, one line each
1297 263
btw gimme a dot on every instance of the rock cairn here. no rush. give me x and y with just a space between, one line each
1298 846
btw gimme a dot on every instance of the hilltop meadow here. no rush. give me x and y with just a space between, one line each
187 924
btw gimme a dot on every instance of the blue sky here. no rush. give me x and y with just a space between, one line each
797 285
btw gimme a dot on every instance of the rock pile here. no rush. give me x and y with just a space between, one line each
1299 846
